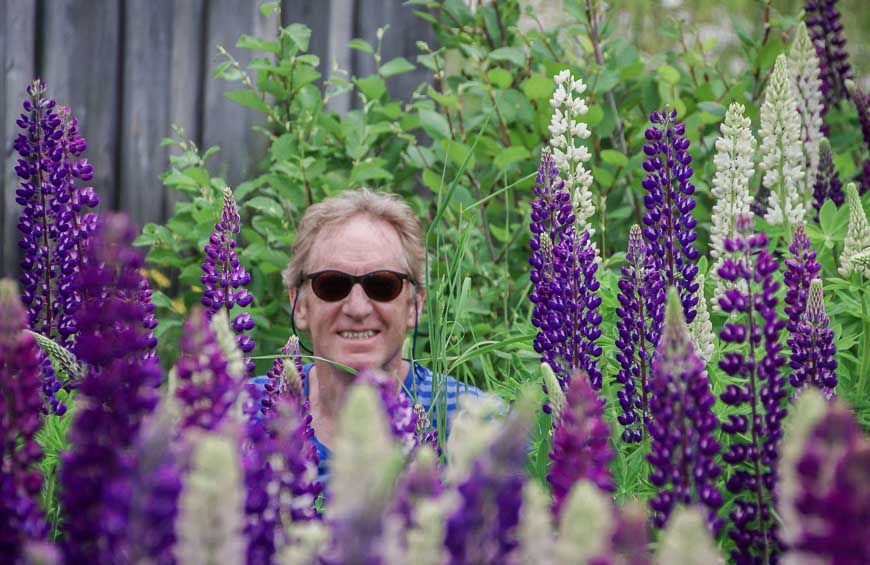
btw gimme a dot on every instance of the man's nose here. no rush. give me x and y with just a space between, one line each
357 304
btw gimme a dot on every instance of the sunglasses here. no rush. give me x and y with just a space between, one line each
381 286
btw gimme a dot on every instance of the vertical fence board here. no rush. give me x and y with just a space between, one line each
340 33
18 26
81 71
145 115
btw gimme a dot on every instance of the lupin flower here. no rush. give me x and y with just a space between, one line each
782 160
365 454
803 63
213 488
857 241
115 344
735 150
862 105
669 226
826 30
535 539
754 449
825 500
402 416
224 276
800 268
701 328
564 281
20 407
687 541
641 312
281 377
812 346
683 449
581 443
586 525
827 185
482 527
566 132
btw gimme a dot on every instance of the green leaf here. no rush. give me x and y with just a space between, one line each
606 81
248 98
712 108
513 54
510 156
249 42
594 116
368 171
431 180
361 45
500 77
372 86
537 87
299 34
265 205
434 124
668 74
396 66
613 157
632 71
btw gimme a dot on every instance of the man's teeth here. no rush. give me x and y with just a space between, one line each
358 335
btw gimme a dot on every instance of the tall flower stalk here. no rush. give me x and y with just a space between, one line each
669 223
804 67
827 185
116 345
641 312
684 446
20 405
861 100
782 160
755 367
800 269
826 30
735 150
857 243
224 276
812 346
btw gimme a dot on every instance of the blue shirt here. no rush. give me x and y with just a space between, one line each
420 387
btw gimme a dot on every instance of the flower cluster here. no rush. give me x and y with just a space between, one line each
753 452
281 377
812 346
701 328
856 247
20 408
826 30
827 185
800 269
804 67
581 448
782 159
404 418
862 104
641 311
669 223
735 149
116 345
683 426
224 276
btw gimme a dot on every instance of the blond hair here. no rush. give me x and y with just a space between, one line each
322 217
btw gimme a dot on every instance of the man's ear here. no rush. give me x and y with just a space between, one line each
299 308
416 310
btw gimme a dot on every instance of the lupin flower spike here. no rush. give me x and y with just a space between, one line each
586 525
581 443
812 346
826 30
701 328
566 132
555 395
781 154
827 185
861 100
224 276
857 237
535 530
735 150
754 449
687 541
20 408
669 226
800 268
684 447
804 67
641 312
285 376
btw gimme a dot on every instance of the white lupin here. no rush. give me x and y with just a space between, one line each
555 394
735 150
687 541
535 529
804 66
474 429
210 521
226 338
701 328
307 540
567 130
857 243
781 152
586 525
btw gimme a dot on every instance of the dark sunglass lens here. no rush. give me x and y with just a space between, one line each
382 286
331 286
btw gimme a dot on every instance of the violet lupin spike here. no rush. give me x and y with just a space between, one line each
683 449
753 453
224 276
641 312
827 183
801 268
812 345
276 383
826 30
20 481
669 226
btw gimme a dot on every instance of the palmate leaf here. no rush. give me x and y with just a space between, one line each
66 366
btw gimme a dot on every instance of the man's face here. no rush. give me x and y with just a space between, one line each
357 331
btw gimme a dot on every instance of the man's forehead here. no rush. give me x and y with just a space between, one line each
360 242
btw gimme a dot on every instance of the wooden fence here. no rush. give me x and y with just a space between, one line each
129 69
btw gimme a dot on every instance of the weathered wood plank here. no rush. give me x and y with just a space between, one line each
340 33
226 123
18 27
80 67
145 113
